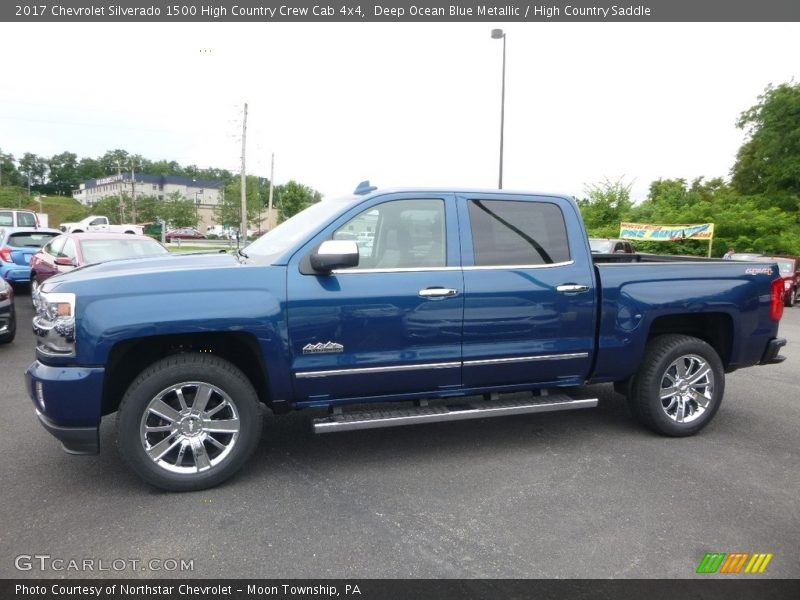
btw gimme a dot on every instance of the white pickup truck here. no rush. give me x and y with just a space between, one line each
100 224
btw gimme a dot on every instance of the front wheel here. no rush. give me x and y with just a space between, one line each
188 422
679 387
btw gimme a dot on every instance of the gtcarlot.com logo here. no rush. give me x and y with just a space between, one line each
734 563
46 562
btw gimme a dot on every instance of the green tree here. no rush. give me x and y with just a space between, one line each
63 170
89 168
9 175
34 168
228 211
769 161
178 211
294 197
607 204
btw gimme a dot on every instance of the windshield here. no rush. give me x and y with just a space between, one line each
277 241
101 250
601 246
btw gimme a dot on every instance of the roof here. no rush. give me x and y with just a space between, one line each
157 179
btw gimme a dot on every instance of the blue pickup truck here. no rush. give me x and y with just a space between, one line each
387 308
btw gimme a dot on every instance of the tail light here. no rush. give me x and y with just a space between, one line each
5 254
776 306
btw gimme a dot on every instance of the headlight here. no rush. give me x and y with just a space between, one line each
54 324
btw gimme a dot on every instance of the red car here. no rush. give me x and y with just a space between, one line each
789 272
185 233
71 250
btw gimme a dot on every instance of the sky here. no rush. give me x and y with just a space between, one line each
403 105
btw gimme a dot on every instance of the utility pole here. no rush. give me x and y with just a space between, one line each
133 191
121 197
271 187
243 220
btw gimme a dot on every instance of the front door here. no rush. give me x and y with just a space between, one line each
391 325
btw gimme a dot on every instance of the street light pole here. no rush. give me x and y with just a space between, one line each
496 35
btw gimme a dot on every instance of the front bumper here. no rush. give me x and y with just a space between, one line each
68 403
771 355
74 440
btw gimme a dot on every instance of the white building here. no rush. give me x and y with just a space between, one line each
203 192
206 194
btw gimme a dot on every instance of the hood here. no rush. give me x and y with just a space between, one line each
184 271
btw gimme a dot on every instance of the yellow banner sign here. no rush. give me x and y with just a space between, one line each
665 233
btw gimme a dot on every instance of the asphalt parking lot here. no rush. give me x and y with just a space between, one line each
577 494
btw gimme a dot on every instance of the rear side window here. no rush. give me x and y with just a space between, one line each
6 218
508 232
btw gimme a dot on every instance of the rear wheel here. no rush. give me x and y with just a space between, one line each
188 422
679 387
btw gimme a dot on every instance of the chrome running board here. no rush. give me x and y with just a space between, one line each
448 411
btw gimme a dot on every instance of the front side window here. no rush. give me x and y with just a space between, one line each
400 234
508 232
68 250
54 248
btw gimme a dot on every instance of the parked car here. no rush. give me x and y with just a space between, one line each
788 268
184 233
101 224
609 246
17 217
17 247
70 250
8 317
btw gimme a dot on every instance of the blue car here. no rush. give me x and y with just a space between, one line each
17 246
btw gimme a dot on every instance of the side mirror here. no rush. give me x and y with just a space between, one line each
335 254
64 261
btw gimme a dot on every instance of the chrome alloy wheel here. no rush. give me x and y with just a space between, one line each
687 388
190 427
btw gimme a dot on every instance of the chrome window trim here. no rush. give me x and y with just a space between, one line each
512 267
312 374
497 361
395 270
467 268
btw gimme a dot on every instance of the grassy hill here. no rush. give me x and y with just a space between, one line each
58 209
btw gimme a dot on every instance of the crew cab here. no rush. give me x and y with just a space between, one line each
99 223
462 297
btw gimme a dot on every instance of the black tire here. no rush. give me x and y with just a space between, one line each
791 298
8 336
694 403
34 288
198 457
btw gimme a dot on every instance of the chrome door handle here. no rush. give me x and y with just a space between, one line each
438 292
572 288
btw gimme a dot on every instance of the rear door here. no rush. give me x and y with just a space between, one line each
530 301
